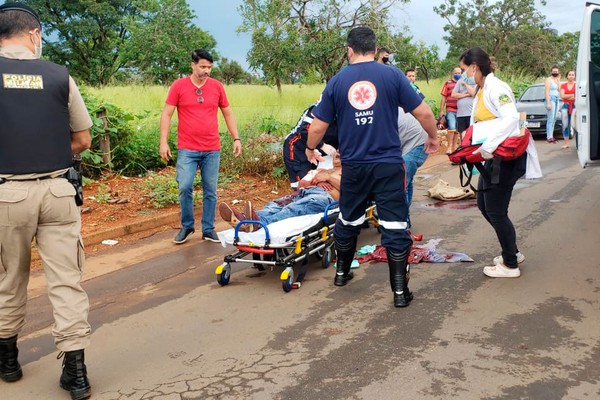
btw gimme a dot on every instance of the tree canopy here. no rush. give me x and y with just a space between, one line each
98 40
514 32
296 38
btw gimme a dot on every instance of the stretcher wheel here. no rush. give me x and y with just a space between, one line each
224 275
327 256
287 283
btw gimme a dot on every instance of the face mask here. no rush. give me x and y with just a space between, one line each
469 80
37 51
457 76
385 60
555 74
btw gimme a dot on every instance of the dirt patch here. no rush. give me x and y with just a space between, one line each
125 200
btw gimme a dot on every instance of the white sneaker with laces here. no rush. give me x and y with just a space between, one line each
501 271
500 260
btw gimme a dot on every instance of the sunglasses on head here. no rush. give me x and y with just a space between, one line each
200 99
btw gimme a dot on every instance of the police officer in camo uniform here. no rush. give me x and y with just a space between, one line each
44 123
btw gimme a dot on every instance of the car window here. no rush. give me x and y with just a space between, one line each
533 93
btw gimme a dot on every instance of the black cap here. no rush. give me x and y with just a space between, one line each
20 7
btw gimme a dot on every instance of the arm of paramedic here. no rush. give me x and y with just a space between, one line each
424 115
233 131
315 135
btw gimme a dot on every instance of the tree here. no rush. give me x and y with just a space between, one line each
162 39
90 35
506 29
293 38
231 72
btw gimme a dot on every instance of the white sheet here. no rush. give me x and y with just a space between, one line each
278 231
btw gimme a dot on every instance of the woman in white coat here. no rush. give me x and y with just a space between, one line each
494 118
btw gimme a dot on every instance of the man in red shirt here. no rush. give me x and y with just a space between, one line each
449 107
197 98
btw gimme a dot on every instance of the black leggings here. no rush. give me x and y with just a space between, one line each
493 201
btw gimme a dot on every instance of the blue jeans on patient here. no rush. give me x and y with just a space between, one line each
188 162
309 201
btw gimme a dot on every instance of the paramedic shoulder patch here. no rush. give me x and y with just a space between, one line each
504 99
22 81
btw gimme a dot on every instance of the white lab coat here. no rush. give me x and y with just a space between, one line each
499 99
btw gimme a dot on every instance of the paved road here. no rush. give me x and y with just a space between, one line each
164 329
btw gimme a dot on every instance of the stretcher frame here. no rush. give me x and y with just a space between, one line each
317 239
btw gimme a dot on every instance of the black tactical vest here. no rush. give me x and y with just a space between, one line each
35 136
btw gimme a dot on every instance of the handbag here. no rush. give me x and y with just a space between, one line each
511 148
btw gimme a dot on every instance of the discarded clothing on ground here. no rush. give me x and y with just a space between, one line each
419 253
443 191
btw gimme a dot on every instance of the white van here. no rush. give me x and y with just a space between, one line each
587 96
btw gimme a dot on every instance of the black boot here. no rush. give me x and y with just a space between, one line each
345 255
74 375
399 277
10 370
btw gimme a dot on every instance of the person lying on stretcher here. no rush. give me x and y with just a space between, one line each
317 189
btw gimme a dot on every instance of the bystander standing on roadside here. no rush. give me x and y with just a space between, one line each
551 97
196 99
384 56
567 94
464 94
448 108
411 74
44 124
364 98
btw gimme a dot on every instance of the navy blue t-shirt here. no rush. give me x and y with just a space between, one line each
364 97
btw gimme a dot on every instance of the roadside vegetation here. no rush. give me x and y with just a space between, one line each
297 45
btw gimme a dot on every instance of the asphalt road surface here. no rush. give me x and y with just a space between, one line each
164 328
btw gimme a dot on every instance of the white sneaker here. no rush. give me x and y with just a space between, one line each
501 271
500 260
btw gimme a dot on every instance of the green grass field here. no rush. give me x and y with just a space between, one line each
251 104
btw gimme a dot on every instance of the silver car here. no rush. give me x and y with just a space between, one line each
532 103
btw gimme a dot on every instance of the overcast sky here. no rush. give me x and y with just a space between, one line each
221 19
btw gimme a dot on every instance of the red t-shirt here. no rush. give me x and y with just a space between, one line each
565 87
451 102
198 126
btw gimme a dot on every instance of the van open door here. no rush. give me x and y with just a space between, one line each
587 95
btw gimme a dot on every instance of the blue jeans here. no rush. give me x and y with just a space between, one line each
551 116
309 201
412 161
188 162
566 120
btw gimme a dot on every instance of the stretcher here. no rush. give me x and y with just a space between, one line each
283 244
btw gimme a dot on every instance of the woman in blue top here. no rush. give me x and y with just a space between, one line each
551 93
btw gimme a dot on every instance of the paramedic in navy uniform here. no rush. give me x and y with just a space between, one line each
44 122
364 98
